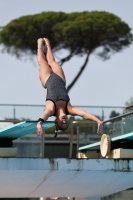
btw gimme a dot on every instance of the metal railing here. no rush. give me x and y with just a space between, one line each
75 123
33 111
127 109
118 117
75 126
131 106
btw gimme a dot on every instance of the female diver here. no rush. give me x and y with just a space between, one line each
53 80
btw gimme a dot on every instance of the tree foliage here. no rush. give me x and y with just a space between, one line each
114 114
129 102
81 33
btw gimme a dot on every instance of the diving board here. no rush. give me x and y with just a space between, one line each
23 128
96 146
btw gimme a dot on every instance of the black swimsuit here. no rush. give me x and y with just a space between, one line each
56 89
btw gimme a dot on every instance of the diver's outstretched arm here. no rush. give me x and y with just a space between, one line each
85 115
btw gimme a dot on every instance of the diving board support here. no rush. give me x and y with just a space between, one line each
18 130
89 154
121 153
42 145
114 154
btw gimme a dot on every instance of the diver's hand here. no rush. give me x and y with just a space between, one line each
39 128
99 128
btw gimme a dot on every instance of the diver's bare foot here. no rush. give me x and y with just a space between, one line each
40 43
47 42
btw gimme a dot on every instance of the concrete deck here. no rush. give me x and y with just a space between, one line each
28 177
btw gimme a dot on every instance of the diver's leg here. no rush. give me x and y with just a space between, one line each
56 68
45 69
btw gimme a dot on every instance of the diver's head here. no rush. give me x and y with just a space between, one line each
61 122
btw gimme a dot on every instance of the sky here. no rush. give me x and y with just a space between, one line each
103 83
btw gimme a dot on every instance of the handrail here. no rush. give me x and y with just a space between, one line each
13 121
128 107
84 122
114 118
100 109
39 105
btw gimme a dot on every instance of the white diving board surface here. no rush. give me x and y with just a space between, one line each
96 146
23 128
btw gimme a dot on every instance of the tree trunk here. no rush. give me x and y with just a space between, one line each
63 60
79 73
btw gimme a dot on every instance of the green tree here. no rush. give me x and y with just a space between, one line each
114 114
129 102
80 33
